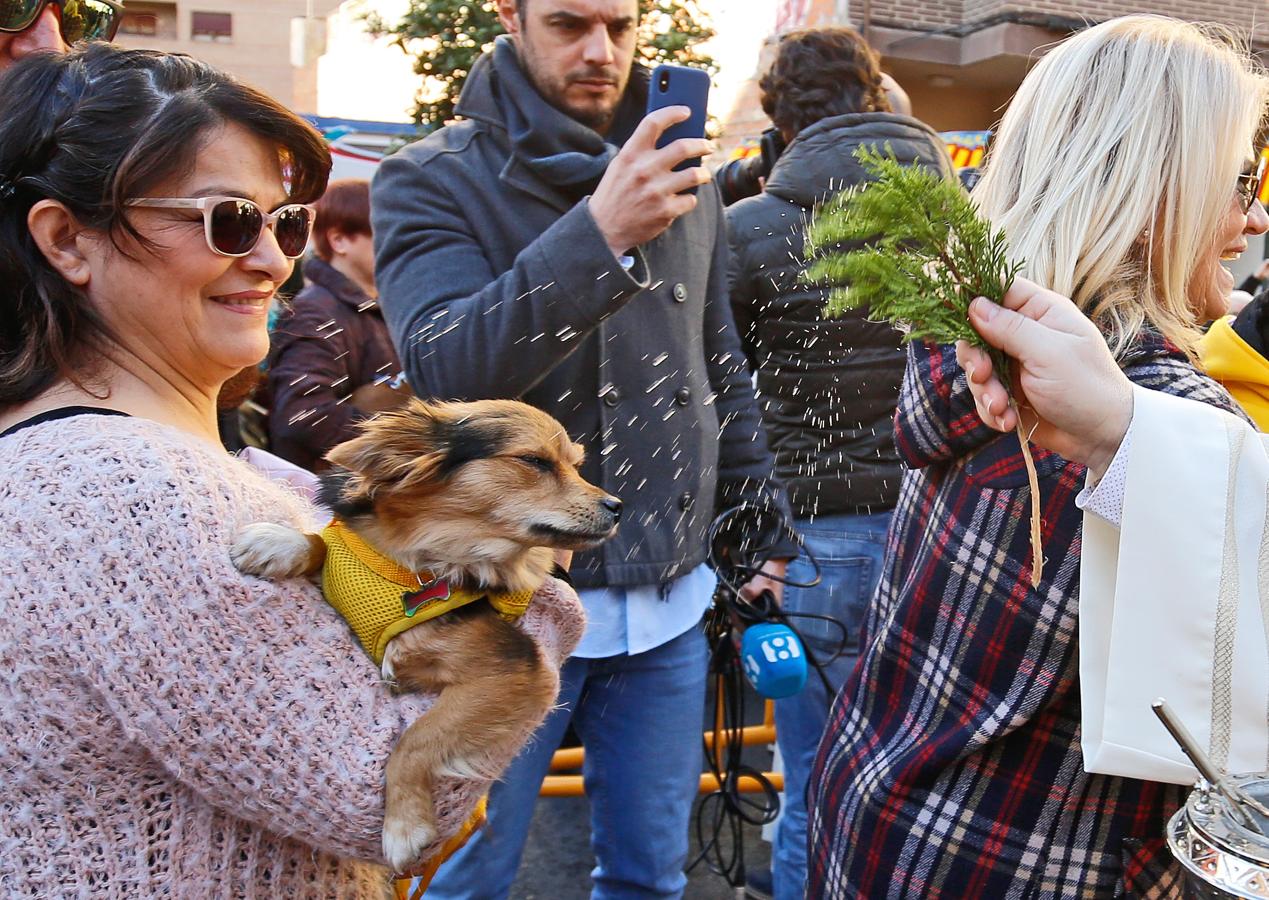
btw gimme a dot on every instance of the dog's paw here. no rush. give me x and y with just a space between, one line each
388 669
271 551
404 840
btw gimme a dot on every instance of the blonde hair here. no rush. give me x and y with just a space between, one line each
1116 162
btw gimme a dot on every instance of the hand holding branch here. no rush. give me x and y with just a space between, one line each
1072 396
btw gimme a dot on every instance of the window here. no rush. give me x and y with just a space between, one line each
211 26
145 24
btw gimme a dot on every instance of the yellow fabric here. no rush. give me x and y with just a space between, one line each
416 886
380 599
1234 363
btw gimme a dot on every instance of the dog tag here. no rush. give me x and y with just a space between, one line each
413 601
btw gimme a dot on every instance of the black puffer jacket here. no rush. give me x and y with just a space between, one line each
828 386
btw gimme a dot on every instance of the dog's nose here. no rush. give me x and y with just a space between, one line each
613 505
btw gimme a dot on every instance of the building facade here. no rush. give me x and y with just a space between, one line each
961 60
271 44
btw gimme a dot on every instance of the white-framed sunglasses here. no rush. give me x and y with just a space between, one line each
233 226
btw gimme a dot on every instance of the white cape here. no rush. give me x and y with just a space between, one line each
1175 602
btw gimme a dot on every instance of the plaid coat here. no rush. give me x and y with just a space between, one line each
951 763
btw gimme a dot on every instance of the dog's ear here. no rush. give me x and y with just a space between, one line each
419 443
343 494
394 449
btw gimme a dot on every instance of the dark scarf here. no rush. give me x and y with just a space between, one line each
555 147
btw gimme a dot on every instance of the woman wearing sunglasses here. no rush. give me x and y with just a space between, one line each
951 766
30 25
168 727
1235 350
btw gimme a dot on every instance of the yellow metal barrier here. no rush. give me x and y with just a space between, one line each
571 785
571 758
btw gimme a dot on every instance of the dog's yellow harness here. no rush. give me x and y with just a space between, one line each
379 599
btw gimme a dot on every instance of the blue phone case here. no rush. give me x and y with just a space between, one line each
680 86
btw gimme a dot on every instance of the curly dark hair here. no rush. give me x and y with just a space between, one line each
818 73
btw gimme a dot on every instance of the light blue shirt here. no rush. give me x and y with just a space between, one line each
637 619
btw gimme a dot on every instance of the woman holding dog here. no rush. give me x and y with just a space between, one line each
168 726
952 764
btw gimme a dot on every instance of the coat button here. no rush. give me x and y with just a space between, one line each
682 396
685 501
680 292
612 398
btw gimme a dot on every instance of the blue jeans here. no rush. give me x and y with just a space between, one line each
850 550
640 719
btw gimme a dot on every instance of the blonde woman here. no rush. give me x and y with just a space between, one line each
951 766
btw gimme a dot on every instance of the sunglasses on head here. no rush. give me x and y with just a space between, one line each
1249 185
78 20
233 226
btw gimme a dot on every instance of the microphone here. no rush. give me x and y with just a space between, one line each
773 660
741 540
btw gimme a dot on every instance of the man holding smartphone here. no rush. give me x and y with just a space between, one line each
544 248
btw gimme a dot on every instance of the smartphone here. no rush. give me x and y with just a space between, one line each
680 86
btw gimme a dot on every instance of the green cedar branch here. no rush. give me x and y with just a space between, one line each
910 247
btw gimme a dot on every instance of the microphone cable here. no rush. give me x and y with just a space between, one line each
741 540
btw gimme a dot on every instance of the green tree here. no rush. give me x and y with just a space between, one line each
444 37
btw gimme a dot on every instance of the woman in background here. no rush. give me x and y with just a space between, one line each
332 362
951 766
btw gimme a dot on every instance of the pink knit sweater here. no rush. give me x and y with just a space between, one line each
168 726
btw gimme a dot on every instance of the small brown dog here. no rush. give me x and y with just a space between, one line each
453 508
